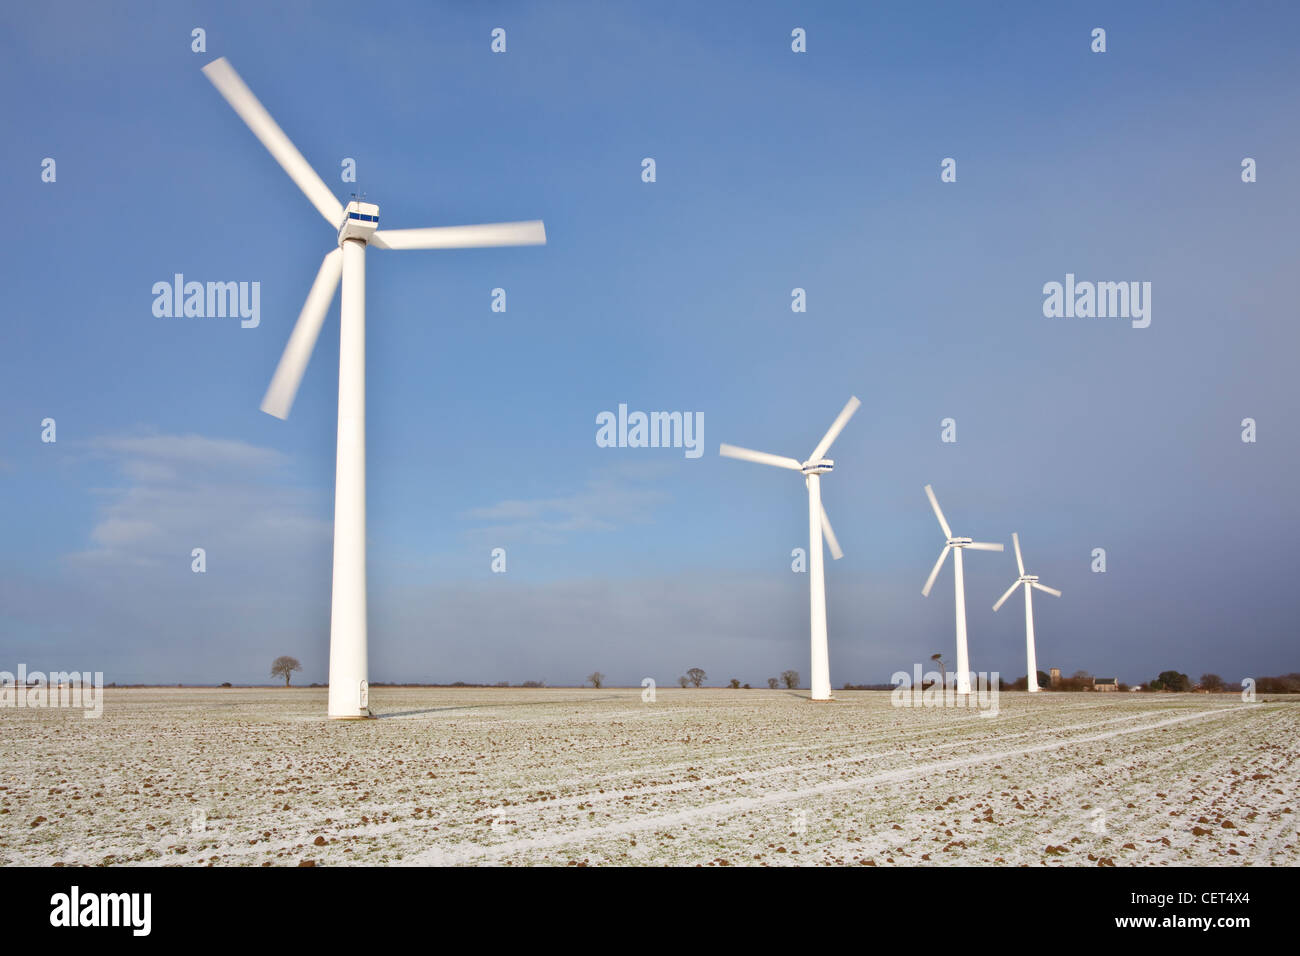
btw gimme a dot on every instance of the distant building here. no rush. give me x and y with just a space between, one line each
1105 683
1054 676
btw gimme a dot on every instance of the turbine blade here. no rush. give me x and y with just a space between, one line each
1002 600
837 426
531 233
983 546
302 340
836 553
1043 587
1020 562
934 503
762 457
243 102
929 582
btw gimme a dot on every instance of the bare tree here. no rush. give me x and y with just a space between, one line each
734 683
1211 682
790 679
683 681
943 671
772 682
696 676
597 679
284 666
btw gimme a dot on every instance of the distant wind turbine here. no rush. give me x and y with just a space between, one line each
812 469
1029 581
956 546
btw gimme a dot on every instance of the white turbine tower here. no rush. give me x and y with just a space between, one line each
956 546
357 226
816 466
1029 581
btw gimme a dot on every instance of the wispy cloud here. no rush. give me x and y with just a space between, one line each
158 458
179 492
130 603
607 502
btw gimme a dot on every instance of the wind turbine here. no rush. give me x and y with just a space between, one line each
1029 581
956 546
816 466
358 227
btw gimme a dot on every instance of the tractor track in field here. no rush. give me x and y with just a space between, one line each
732 806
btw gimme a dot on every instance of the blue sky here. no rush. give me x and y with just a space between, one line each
775 170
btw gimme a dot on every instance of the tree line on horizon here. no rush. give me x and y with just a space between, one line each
1171 680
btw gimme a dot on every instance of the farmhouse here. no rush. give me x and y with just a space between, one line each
1105 683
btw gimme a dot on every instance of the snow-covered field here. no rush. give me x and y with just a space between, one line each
565 776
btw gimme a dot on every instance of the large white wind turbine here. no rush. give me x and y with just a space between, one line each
1029 581
358 227
816 466
956 546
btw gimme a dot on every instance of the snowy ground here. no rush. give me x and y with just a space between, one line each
564 776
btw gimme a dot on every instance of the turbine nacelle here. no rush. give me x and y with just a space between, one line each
822 467
360 220
960 542
1028 578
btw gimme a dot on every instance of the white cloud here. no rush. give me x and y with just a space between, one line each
129 603
160 458
180 492
607 502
